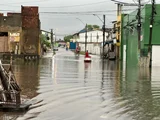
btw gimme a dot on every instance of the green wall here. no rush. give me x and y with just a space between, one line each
130 34
130 38
156 26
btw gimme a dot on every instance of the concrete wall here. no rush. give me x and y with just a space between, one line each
27 24
130 36
10 24
156 26
130 39
30 41
10 21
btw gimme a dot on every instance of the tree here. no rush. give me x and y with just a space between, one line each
93 27
96 27
67 38
89 27
45 41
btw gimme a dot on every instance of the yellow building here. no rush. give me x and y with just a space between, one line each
117 26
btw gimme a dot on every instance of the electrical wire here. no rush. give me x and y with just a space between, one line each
83 13
25 2
134 2
78 5
79 12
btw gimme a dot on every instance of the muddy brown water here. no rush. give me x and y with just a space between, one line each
63 87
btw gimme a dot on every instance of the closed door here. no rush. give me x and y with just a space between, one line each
3 44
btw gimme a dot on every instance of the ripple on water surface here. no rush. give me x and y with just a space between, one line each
70 89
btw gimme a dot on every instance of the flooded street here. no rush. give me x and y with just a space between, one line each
63 87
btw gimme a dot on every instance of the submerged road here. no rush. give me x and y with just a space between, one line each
63 87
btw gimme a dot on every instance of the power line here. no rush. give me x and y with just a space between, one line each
134 2
85 12
75 12
80 5
77 5
25 2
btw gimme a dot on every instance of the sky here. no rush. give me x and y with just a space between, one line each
67 17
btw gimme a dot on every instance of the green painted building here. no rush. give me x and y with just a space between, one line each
130 55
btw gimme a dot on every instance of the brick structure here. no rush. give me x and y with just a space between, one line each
31 30
19 32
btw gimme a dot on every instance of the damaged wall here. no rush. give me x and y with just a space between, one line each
31 30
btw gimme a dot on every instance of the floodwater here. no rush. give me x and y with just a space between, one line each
63 87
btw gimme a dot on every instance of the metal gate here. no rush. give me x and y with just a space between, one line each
3 44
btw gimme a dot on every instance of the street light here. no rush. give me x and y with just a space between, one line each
81 21
98 17
85 33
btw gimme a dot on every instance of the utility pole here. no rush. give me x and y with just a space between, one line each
151 31
86 38
139 26
103 33
52 39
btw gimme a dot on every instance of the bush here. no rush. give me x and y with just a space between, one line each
44 40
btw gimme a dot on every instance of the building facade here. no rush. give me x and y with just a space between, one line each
94 41
129 31
10 32
19 32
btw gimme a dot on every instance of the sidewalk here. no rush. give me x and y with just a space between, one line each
48 54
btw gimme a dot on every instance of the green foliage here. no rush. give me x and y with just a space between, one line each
93 27
44 40
67 38
48 44
89 27
96 27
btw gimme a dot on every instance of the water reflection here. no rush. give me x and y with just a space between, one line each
70 89
86 70
27 76
8 116
136 92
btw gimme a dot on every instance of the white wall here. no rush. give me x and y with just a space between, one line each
92 48
93 44
155 55
92 36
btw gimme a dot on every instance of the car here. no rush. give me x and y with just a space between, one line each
55 49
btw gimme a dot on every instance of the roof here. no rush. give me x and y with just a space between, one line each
84 30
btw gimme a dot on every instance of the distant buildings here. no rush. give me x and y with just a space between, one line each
94 40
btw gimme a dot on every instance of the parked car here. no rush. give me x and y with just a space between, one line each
55 48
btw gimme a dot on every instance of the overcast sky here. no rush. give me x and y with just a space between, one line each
54 14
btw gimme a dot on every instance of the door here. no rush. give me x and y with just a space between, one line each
3 44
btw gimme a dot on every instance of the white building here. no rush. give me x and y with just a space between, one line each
94 40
